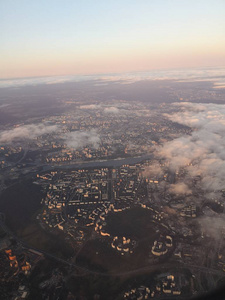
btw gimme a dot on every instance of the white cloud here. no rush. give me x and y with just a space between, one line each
204 149
31 131
79 139
180 188
90 106
153 170
111 110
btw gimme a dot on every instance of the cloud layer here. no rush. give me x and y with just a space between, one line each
213 74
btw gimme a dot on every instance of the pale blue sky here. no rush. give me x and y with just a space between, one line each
48 37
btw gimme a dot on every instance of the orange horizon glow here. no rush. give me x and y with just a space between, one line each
114 64
39 40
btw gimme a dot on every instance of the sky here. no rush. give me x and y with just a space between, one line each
54 37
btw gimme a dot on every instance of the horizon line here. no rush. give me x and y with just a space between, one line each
112 73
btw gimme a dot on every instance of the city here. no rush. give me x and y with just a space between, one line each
110 199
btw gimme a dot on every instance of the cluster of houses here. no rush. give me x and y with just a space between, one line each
189 211
18 264
139 293
167 285
162 245
123 245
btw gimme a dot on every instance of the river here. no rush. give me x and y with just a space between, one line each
101 163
